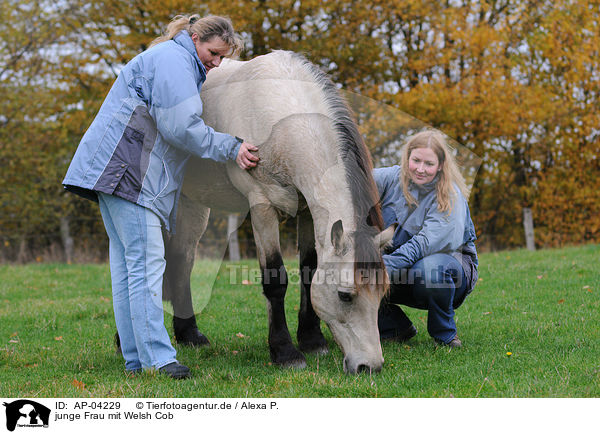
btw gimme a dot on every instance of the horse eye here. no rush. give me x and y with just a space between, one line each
345 296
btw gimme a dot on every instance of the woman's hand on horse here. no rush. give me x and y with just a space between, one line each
245 157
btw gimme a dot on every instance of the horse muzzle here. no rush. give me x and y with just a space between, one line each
358 366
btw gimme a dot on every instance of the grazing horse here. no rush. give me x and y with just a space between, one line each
313 164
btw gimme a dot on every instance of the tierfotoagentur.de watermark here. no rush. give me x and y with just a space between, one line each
437 277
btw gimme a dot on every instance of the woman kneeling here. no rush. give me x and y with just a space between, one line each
432 260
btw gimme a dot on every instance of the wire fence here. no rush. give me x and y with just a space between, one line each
89 243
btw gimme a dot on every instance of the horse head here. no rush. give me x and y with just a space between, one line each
346 291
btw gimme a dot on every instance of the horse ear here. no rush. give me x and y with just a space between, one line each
337 234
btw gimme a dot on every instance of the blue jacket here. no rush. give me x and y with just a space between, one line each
424 230
148 126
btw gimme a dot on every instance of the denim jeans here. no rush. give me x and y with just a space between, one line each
137 264
436 283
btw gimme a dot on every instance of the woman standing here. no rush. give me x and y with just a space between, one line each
132 161
432 260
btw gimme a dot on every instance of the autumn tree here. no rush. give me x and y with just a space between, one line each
515 82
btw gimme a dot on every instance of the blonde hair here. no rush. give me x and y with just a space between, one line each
449 175
206 28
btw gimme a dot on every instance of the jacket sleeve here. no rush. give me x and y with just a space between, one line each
441 232
177 109
384 178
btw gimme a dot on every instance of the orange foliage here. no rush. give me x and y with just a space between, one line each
516 82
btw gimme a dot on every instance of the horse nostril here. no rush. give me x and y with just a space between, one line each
363 368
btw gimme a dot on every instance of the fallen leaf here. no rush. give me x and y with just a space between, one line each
14 334
561 301
78 384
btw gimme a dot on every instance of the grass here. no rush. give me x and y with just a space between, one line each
530 329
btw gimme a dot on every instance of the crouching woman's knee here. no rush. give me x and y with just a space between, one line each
437 275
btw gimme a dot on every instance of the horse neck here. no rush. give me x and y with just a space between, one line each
329 200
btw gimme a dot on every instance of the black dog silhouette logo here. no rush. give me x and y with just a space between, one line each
26 413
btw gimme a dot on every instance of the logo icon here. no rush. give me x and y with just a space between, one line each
26 413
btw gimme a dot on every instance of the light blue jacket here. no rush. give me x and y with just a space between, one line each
147 128
423 230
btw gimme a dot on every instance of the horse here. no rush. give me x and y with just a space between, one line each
313 165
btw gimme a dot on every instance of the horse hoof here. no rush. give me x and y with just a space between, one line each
289 359
320 351
293 364
118 344
192 338
314 346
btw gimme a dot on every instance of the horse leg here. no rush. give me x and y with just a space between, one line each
265 225
310 337
180 252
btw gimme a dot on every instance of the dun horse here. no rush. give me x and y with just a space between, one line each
314 164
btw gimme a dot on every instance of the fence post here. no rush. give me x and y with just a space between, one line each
67 240
232 232
528 226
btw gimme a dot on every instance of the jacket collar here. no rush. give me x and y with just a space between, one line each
183 38
425 189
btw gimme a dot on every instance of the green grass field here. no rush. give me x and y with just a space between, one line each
530 329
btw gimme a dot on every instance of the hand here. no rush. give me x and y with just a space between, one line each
245 157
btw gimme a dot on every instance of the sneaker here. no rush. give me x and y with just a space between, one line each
175 370
402 335
454 343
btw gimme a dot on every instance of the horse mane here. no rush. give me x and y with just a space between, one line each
358 169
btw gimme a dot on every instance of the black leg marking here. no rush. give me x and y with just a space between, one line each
187 333
310 337
275 283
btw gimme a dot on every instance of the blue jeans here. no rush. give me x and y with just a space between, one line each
436 283
137 264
